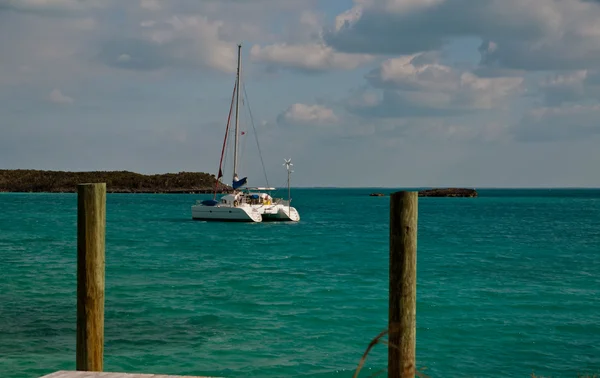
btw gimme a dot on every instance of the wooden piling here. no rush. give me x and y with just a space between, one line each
91 222
403 284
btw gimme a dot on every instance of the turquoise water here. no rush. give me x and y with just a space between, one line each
508 284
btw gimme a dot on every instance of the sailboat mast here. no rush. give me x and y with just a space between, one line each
237 107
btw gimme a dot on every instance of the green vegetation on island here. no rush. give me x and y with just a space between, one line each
21 180
448 192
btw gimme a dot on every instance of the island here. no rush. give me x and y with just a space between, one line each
445 192
448 192
25 181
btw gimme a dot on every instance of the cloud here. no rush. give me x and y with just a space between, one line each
305 50
396 80
531 35
569 122
302 114
151 5
178 41
49 51
245 21
157 35
124 58
309 57
418 85
57 97
51 7
570 87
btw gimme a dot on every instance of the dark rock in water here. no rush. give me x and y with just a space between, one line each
377 195
448 192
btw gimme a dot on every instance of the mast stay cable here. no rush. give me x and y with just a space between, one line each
255 134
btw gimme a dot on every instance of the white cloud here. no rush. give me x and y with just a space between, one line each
200 39
304 49
417 85
348 18
404 72
157 34
55 6
302 114
310 56
57 97
532 34
570 87
177 41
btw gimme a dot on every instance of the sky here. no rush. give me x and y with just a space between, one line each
363 93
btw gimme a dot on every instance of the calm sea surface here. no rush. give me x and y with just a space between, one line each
508 284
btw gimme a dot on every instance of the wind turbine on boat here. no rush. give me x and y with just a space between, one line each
288 166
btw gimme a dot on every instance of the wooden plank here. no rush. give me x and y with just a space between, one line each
403 284
91 222
94 374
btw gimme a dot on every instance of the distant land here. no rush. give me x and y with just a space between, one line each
448 192
441 192
25 181
32 181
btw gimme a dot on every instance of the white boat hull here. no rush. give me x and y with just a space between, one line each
246 213
226 213
281 213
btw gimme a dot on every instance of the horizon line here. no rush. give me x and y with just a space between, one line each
444 187
485 187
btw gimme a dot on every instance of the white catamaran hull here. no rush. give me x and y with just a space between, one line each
281 213
226 213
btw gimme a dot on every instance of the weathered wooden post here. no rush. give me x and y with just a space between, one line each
403 284
91 222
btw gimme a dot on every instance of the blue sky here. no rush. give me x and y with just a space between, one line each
397 93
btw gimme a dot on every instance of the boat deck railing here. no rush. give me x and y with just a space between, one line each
245 200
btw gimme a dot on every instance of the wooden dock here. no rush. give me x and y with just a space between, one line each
91 220
95 374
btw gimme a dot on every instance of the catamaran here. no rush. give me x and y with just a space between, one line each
244 204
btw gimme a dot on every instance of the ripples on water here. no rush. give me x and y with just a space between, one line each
508 283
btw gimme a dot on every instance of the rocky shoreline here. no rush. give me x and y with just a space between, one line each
443 192
449 192
36 181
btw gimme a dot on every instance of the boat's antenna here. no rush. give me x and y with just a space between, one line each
237 107
288 165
